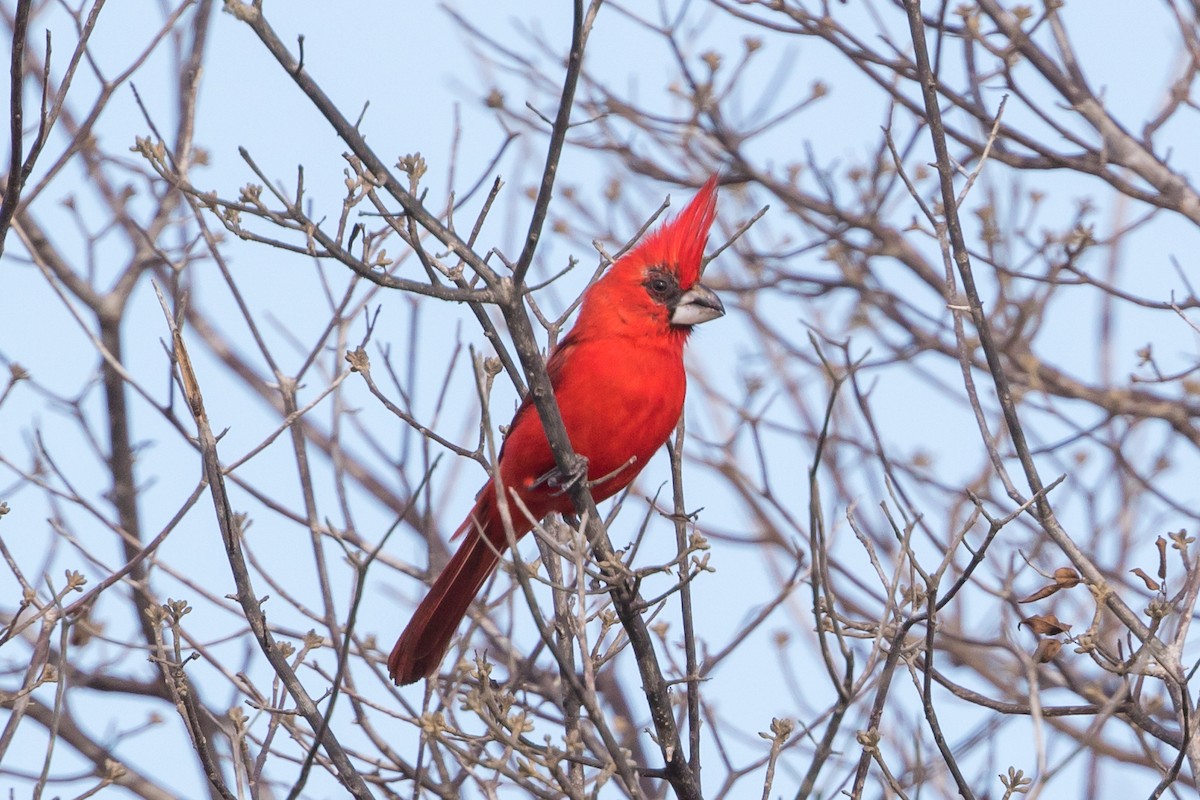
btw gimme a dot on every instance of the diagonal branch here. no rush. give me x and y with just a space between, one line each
231 533
16 121
580 29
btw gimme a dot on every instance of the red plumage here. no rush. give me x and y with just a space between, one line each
619 381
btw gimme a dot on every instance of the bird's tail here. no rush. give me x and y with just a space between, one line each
420 649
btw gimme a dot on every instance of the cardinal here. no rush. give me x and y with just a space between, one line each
619 381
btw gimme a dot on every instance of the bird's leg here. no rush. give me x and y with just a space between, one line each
562 482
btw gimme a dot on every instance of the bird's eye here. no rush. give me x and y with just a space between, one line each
661 286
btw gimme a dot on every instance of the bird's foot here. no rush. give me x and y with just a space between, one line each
562 482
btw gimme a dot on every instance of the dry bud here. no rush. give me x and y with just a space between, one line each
113 771
1180 540
1158 608
1015 781
413 165
241 722
781 729
358 360
868 739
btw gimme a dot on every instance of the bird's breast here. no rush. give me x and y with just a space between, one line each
624 408
620 398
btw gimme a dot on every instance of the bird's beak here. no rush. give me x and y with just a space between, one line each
698 304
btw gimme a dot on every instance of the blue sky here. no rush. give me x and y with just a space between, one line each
422 79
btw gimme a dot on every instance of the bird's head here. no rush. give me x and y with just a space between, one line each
657 283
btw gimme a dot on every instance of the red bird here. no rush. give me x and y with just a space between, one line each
619 380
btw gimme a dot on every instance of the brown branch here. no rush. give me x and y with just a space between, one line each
1044 511
580 28
16 122
252 15
104 760
230 525
681 519
624 594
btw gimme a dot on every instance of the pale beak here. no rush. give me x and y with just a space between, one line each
698 304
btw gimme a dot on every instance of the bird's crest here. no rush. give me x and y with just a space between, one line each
679 243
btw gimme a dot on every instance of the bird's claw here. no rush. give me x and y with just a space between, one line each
562 482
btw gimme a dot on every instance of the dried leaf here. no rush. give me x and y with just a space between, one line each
1151 584
1041 594
1161 544
1066 578
1046 651
1045 625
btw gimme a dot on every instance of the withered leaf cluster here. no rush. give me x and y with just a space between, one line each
1048 624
